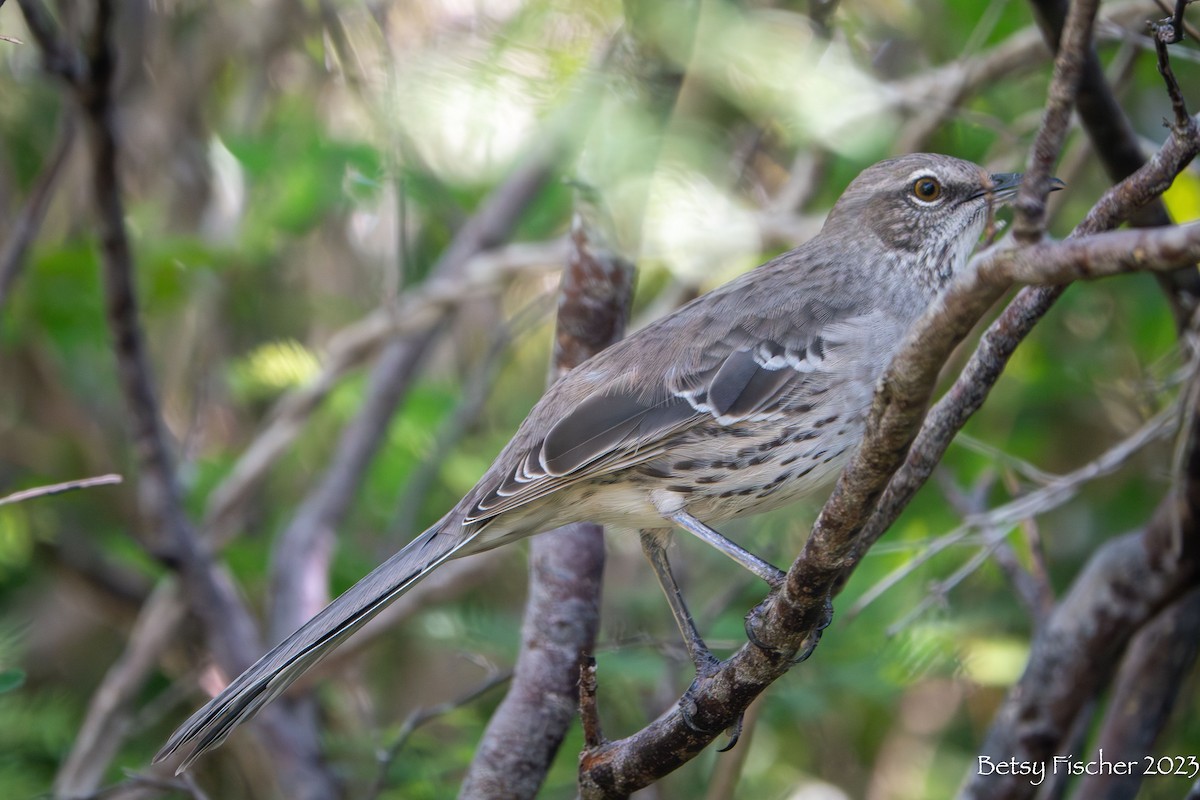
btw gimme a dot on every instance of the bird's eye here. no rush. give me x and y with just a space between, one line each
927 189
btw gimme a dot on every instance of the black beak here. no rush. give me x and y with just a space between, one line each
1005 185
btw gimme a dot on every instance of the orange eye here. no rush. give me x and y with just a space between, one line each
927 189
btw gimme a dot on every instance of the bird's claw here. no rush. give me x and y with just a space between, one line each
753 620
688 709
735 733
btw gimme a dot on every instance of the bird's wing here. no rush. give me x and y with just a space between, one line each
759 370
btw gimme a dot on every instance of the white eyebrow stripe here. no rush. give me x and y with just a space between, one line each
924 172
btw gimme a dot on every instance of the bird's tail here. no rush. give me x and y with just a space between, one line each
275 671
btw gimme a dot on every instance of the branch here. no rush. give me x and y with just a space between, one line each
300 557
1128 200
1074 46
562 612
59 57
28 222
1002 337
416 312
228 626
425 714
1074 655
1119 149
59 488
995 523
109 714
1158 661
1124 585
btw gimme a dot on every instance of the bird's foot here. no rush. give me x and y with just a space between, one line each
688 708
754 622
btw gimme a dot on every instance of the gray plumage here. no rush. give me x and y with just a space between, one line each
743 400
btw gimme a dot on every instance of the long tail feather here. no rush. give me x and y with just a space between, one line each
275 671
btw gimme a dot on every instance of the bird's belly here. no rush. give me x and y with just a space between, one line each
717 477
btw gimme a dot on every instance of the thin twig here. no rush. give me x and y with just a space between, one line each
997 522
425 714
417 311
59 488
1074 47
1163 36
1172 29
300 556
24 228
593 731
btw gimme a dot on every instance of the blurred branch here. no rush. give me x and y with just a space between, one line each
59 57
1126 582
1157 662
109 714
228 626
995 523
948 96
300 556
25 226
417 311
422 715
59 488
933 95
175 541
562 612
477 385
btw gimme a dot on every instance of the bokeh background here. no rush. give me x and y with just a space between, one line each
293 169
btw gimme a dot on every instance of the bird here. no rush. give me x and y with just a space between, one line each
741 401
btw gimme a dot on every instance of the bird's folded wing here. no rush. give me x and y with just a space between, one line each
743 377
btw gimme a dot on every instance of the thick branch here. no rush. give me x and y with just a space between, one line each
1075 654
562 613
1156 665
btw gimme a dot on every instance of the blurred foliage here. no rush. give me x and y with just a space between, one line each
289 166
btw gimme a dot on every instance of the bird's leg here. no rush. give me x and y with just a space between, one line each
653 545
763 569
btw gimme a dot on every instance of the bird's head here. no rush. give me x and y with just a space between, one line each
922 212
